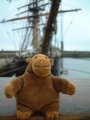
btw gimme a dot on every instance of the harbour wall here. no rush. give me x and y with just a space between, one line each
8 54
74 54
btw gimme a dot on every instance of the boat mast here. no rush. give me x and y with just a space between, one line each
50 25
35 25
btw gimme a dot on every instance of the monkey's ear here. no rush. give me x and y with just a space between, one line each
52 62
28 60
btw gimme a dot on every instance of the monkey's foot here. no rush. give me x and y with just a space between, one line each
23 115
52 116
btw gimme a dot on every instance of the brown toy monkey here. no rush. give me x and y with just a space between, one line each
37 90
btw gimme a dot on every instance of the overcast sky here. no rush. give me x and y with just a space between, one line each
76 25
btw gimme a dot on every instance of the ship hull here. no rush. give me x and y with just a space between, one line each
18 67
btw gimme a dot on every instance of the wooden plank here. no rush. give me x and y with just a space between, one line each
85 116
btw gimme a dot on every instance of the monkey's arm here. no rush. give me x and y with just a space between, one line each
13 87
63 85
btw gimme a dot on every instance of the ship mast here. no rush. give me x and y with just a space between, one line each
35 25
50 25
33 7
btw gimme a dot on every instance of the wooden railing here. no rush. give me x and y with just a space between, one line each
61 117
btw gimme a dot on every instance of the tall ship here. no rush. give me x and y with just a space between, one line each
40 27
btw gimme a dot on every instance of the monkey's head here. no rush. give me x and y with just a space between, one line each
40 64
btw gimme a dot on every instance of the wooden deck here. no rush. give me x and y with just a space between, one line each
76 107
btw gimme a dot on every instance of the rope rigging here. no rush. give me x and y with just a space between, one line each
10 37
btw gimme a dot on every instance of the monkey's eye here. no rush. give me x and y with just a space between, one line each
46 57
35 57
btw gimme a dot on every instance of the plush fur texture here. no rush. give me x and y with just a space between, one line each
37 90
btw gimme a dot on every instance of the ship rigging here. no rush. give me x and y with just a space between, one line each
41 43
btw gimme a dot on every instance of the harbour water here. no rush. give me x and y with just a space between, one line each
77 67
78 72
